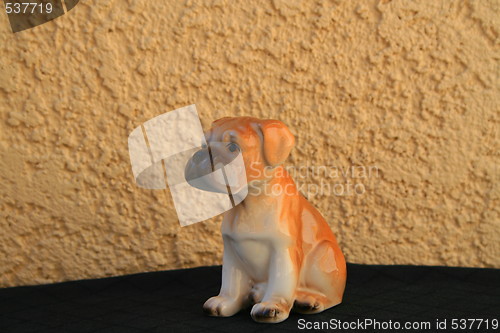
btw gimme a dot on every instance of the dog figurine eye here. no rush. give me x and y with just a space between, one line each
203 145
233 147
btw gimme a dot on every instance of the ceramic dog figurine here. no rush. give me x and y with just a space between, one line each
279 252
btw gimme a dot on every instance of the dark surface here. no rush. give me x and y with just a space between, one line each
172 301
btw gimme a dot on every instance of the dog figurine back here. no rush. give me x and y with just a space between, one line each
279 252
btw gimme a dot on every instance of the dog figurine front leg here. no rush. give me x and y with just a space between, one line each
282 283
233 295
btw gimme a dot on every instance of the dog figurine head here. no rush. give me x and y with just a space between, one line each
263 144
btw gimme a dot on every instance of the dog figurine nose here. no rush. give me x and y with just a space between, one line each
199 156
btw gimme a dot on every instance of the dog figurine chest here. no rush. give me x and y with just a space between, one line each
250 235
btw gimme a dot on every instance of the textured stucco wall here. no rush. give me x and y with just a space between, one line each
410 88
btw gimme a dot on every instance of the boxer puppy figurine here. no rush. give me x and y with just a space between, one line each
279 252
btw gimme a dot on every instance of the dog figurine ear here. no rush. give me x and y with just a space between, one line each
277 140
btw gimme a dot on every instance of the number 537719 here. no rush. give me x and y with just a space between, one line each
27 8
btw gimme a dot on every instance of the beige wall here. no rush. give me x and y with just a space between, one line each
409 88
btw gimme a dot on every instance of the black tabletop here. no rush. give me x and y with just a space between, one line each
171 301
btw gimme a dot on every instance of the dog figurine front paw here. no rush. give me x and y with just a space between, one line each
221 306
271 311
279 252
